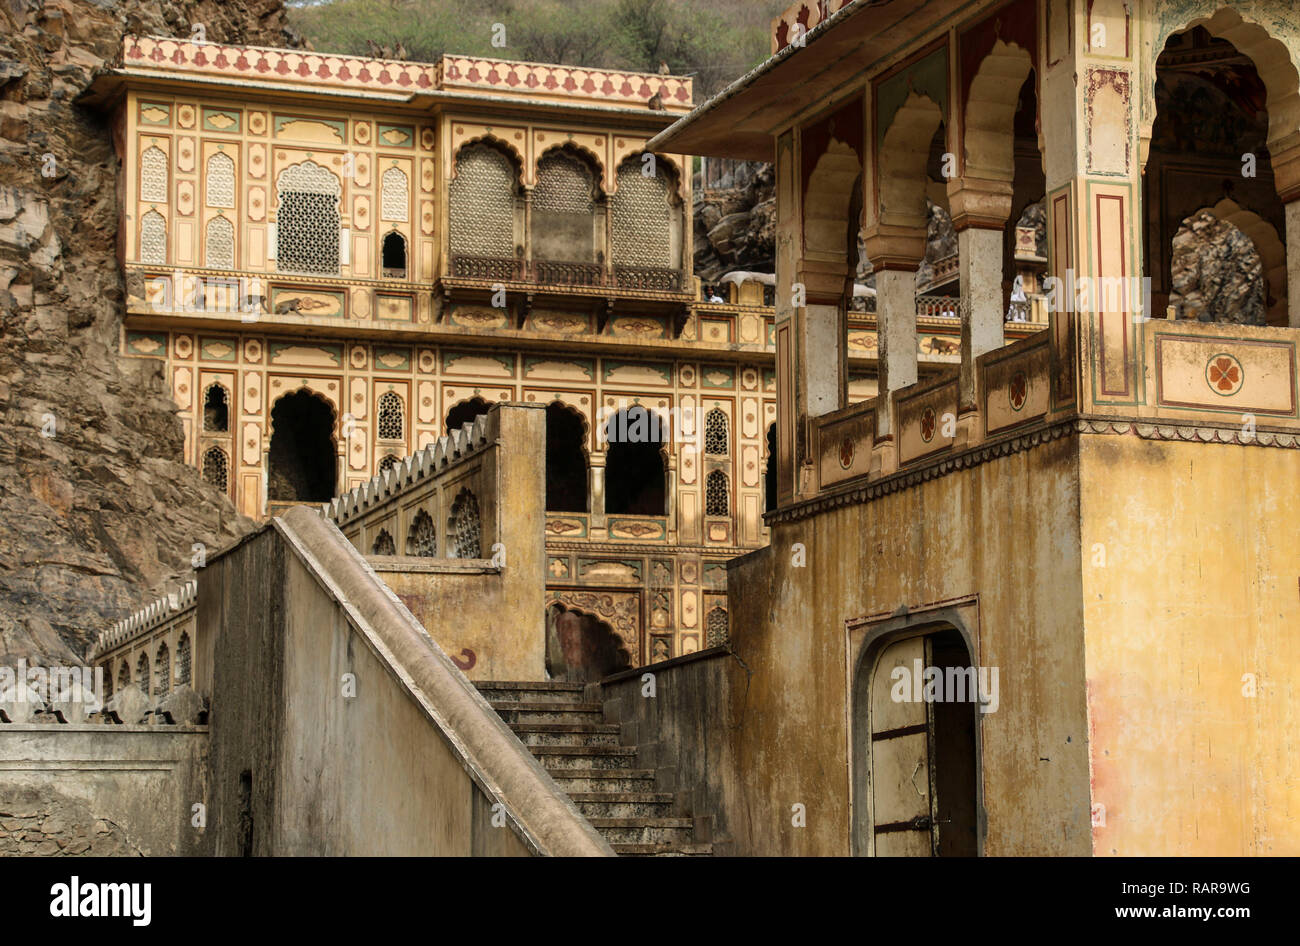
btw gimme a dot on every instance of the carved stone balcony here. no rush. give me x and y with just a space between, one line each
487 267
566 273
558 273
640 277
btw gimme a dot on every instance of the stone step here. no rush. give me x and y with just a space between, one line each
584 757
548 691
645 830
623 804
603 780
566 734
662 850
548 711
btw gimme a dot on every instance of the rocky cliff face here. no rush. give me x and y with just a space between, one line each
735 228
96 505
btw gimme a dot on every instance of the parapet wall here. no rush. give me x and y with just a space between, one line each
457 531
317 658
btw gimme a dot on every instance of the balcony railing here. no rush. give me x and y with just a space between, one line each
487 267
566 273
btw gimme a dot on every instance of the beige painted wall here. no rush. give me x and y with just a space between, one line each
1197 589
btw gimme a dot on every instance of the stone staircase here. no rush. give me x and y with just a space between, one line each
587 759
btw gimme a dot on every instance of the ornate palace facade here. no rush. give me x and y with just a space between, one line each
341 259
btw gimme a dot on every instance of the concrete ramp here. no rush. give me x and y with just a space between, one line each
339 727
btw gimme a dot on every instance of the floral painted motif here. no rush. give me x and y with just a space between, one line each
1018 391
927 424
846 453
1224 374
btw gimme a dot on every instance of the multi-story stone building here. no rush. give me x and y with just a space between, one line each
340 259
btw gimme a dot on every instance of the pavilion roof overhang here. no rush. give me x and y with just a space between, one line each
743 120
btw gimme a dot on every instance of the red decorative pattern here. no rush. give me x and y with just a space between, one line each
807 13
1018 390
1224 374
154 52
927 424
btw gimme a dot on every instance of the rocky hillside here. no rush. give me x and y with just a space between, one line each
96 506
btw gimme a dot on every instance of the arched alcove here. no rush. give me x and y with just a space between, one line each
635 471
582 648
465 412
566 459
302 456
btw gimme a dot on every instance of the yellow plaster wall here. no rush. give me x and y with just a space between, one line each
1200 585
1007 531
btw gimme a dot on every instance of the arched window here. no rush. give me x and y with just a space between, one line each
384 544
566 462
389 411
123 677
563 209
634 468
183 658
108 681
422 540
715 432
307 224
216 467
463 527
482 199
153 238
715 494
162 671
153 175
393 255
219 248
216 409
715 627
388 461
142 673
465 412
642 212
393 199
220 185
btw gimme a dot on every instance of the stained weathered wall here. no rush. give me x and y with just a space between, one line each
1190 573
101 790
1004 535
484 617
686 732
344 730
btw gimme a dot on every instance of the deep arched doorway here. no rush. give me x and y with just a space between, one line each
634 469
916 699
566 460
581 648
466 412
302 457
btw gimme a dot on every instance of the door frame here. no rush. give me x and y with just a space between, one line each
879 634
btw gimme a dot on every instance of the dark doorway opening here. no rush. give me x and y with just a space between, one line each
302 455
566 463
634 469
465 412
581 648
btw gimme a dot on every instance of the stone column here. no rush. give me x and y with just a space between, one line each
981 302
596 494
896 335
